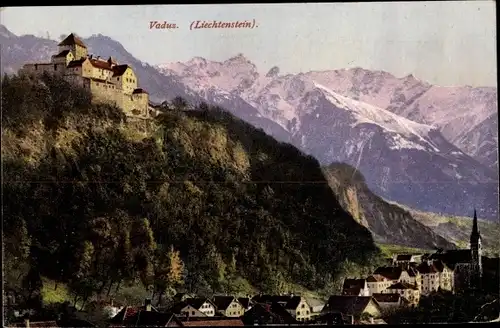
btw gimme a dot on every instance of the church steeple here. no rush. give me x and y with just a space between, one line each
474 236
476 253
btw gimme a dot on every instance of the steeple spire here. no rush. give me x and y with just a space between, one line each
475 230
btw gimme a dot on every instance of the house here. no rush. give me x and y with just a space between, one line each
106 80
128 315
246 302
203 305
297 306
355 287
267 314
332 318
373 321
316 306
404 260
212 322
183 309
357 306
409 292
435 275
143 318
228 306
415 276
395 274
390 302
376 283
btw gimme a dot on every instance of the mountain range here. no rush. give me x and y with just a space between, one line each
398 132
429 147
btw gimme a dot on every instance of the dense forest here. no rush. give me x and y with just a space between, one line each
195 200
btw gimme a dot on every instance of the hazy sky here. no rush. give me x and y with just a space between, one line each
446 43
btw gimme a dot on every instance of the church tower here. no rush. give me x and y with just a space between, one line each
476 253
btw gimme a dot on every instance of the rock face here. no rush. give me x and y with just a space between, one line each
388 223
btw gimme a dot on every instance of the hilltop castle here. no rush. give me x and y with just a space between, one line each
107 81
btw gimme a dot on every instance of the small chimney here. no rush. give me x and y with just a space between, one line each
147 304
27 322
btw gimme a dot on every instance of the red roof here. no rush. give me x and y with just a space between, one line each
139 90
63 53
214 323
76 63
119 69
72 40
100 64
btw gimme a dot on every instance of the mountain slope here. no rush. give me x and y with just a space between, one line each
455 111
401 159
117 194
389 224
458 230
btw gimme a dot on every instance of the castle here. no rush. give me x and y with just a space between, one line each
107 81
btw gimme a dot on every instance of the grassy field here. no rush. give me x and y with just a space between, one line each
389 250
457 229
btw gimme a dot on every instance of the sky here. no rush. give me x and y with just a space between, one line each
444 43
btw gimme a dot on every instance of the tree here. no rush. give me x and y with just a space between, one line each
169 270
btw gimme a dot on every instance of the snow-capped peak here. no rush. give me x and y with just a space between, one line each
366 113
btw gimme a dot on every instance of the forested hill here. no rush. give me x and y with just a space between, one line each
93 199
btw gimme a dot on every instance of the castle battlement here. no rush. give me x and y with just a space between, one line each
108 81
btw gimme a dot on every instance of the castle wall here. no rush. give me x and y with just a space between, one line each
40 68
105 93
136 104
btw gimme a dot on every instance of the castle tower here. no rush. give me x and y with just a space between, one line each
75 46
476 253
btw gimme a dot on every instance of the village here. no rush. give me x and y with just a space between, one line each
363 300
401 283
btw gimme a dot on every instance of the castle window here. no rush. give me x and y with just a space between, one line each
55 67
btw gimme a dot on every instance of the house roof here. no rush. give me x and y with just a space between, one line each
213 322
223 302
128 313
197 302
352 305
453 257
139 90
353 286
375 278
76 63
391 273
402 285
63 53
403 257
412 271
119 70
245 301
275 311
287 301
100 64
72 40
155 319
387 298
436 266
